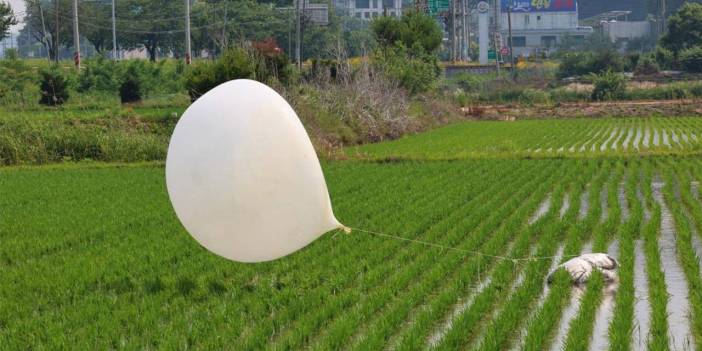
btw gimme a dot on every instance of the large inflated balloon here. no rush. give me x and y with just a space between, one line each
243 176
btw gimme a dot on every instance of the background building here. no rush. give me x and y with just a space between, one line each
369 9
538 26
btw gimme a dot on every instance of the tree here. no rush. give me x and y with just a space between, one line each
414 29
7 19
684 28
155 25
45 31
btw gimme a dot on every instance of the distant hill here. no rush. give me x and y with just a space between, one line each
589 8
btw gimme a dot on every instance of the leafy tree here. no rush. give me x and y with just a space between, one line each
45 32
7 19
691 59
684 28
408 49
155 25
414 29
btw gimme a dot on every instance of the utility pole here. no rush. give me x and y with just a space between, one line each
76 36
56 39
298 33
511 49
114 33
188 50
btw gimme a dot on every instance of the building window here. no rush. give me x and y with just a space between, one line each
526 19
389 4
366 14
375 14
375 4
519 42
538 17
548 41
362 4
358 14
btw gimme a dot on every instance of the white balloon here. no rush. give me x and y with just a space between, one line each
243 177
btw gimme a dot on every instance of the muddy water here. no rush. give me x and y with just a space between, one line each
566 205
603 147
642 200
656 138
629 135
603 204
685 138
623 205
637 139
541 211
615 143
438 335
584 146
570 311
521 337
642 307
694 137
600 334
666 140
675 138
647 138
695 189
676 285
584 204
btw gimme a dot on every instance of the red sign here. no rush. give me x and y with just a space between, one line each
504 51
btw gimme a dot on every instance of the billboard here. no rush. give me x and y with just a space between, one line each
539 5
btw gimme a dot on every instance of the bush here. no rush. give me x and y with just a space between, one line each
647 65
608 86
53 86
665 58
130 90
17 78
237 63
98 74
579 64
415 70
691 59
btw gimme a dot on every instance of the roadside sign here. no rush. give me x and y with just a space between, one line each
491 55
504 51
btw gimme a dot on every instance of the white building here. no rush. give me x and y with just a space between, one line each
369 9
538 26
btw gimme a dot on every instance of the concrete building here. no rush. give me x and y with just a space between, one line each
624 31
538 26
369 9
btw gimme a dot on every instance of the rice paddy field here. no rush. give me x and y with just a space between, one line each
93 257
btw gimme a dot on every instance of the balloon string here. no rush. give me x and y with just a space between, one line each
443 247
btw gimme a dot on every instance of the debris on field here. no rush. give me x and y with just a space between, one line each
580 268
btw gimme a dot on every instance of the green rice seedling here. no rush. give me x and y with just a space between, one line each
580 329
422 283
510 318
687 255
658 295
621 327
